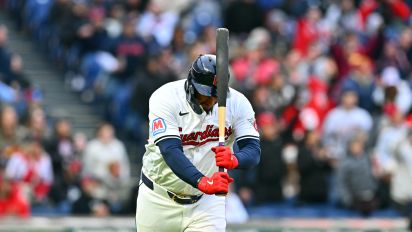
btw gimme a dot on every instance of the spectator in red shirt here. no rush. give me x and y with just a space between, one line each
12 202
256 66
32 166
307 31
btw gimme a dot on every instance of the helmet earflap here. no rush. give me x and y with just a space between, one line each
190 97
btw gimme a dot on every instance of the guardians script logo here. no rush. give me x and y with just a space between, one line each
199 138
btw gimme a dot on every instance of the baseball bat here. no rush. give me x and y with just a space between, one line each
222 63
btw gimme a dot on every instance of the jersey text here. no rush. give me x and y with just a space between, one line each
201 137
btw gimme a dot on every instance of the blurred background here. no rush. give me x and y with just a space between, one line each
330 82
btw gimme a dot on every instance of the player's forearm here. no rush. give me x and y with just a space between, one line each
249 153
174 157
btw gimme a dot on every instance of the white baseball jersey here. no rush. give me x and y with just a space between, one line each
171 116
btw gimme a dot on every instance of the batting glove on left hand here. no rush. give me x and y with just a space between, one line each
225 158
217 183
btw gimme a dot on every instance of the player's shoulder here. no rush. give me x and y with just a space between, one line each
236 97
169 91
237 103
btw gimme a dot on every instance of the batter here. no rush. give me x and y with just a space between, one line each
180 174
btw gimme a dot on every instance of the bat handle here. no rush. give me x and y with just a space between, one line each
221 169
221 144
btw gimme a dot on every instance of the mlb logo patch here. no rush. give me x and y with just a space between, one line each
158 126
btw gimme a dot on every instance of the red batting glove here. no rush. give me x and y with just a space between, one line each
218 183
225 158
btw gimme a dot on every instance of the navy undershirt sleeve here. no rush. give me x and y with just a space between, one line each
172 152
248 154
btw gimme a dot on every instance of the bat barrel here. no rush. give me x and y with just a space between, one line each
222 63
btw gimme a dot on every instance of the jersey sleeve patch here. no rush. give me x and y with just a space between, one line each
158 126
253 122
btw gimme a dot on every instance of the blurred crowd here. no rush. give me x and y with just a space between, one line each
330 82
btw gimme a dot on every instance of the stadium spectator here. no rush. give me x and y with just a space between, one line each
315 167
393 90
93 43
157 22
405 42
394 129
5 54
11 132
308 31
103 150
79 143
32 166
317 105
271 172
90 201
113 21
131 49
105 159
362 80
92 36
293 128
200 15
65 17
60 146
342 122
10 73
256 67
356 181
12 200
260 99
65 161
401 190
19 81
274 97
37 127
394 56
347 45
280 93
13 71
277 22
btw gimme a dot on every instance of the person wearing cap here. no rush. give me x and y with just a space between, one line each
271 172
180 174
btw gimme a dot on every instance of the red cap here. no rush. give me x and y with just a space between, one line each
316 85
390 109
266 118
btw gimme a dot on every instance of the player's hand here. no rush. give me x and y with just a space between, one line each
218 183
225 158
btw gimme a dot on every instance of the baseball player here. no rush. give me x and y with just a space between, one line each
180 174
